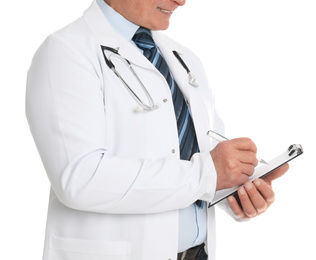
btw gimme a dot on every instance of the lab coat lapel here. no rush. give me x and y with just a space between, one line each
195 96
167 47
107 36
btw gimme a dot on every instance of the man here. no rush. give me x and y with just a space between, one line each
132 183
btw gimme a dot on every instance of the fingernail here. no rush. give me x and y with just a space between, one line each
248 186
230 199
242 191
257 182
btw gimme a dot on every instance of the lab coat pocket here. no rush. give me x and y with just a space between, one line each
77 249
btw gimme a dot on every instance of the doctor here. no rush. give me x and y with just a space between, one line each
121 184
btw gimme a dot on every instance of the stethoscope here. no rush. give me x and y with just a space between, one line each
142 105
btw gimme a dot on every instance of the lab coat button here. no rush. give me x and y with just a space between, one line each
165 100
173 150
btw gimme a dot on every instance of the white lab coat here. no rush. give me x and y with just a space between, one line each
116 177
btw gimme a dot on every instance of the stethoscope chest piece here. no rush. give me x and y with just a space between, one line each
192 80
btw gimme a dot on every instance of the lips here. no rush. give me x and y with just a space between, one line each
165 11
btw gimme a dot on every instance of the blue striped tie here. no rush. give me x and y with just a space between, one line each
186 132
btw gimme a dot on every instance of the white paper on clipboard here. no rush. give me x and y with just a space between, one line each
292 152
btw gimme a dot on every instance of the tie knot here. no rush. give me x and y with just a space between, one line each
145 41
144 38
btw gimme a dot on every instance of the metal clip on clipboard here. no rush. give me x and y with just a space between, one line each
292 152
295 149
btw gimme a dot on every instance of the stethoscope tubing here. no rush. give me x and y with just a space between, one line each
144 106
110 64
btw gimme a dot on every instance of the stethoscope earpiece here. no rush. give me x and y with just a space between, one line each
140 109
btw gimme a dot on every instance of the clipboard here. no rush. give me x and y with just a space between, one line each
291 153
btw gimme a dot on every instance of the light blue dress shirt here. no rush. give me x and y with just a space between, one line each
192 220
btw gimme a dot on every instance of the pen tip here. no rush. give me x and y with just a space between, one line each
263 161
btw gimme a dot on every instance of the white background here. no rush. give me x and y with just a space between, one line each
260 57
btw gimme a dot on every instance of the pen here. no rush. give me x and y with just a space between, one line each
218 137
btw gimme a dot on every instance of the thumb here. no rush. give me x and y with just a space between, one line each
277 173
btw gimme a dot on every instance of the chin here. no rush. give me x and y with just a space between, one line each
159 27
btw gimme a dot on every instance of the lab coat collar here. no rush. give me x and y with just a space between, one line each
107 36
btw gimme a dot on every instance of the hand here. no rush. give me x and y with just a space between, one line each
235 161
255 198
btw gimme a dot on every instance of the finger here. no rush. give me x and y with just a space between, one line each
236 208
257 199
265 190
247 169
244 163
245 144
248 157
247 206
276 173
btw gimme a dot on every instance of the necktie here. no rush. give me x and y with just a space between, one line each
186 132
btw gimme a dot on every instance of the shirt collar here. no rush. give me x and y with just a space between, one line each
123 26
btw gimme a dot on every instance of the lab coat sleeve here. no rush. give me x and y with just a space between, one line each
66 113
219 128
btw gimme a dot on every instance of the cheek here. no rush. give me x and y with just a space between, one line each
142 14
157 20
148 16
